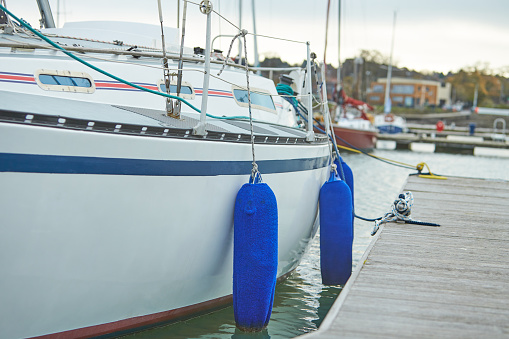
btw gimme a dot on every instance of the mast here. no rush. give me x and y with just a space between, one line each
46 15
338 76
240 27
387 100
326 35
256 61
475 95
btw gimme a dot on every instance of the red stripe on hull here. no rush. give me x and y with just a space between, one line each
121 86
140 323
151 320
17 78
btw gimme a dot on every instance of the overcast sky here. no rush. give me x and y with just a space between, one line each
433 35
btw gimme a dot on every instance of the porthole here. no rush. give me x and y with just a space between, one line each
186 89
64 81
260 99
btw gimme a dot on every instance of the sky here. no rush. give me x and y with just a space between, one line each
432 35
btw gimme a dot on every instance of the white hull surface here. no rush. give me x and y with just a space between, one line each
114 215
98 228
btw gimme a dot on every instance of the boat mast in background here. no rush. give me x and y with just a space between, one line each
338 76
46 16
240 27
256 60
387 100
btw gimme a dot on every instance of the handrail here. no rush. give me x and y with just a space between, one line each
296 68
69 49
133 53
495 125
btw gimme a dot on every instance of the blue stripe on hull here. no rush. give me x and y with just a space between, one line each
35 163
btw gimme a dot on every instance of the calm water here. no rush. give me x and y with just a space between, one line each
302 301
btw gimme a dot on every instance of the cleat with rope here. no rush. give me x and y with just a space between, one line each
400 211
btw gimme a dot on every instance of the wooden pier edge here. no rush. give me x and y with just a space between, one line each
338 303
427 282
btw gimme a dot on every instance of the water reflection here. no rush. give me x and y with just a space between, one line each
300 304
244 335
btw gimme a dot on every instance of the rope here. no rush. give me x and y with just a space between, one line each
400 211
287 93
241 33
354 149
429 175
255 174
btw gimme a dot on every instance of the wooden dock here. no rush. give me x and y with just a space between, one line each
445 141
433 282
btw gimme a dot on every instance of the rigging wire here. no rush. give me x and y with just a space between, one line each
239 29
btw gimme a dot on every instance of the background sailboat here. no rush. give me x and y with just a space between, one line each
352 125
388 122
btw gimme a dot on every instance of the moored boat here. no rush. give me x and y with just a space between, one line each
118 213
353 127
390 124
357 134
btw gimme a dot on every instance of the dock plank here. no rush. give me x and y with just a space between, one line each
419 281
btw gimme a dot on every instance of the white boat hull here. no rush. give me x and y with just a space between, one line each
126 246
115 215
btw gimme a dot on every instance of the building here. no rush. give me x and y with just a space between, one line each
411 92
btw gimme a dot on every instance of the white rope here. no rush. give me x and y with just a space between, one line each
242 34
254 171
400 211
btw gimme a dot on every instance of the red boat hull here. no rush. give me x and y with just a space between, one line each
355 138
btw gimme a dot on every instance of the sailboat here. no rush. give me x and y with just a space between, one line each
119 176
352 125
388 122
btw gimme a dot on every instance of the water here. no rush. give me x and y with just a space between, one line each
301 302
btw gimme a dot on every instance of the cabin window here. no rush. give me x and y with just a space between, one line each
48 79
186 89
259 99
64 81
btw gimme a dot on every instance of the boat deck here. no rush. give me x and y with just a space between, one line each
428 282
81 115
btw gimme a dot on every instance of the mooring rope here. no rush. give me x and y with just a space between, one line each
400 211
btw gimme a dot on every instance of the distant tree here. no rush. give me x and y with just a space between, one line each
493 84
490 89
374 56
